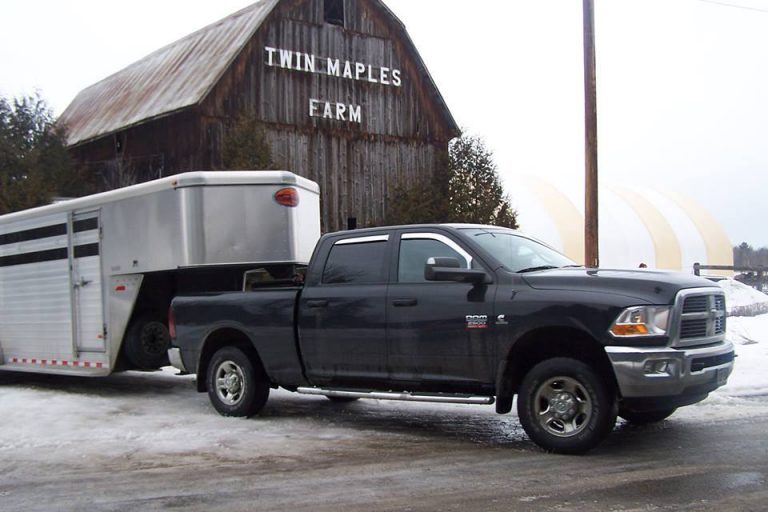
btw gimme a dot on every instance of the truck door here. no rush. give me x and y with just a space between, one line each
439 332
342 318
87 297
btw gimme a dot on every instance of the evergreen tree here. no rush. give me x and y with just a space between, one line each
34 163
466 188
476 193
246 148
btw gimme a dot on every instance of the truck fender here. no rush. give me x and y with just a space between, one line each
533 346
226 336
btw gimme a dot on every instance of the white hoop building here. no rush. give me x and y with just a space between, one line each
664 230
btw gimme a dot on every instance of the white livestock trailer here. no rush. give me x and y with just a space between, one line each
85 284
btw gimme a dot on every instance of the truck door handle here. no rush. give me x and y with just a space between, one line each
404 303
316 304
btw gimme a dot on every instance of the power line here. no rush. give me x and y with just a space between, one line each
735 6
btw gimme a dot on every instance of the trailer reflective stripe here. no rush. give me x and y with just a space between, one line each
33 234
81 251
57 362
47 231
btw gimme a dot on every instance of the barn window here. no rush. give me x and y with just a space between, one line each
334 12
119 143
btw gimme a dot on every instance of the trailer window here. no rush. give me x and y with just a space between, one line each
360 263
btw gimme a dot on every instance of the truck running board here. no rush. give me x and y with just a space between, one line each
408 397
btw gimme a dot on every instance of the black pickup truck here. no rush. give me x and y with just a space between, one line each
461 314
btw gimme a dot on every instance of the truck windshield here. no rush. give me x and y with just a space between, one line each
518 253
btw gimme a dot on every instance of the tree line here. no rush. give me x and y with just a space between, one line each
35 168
744 255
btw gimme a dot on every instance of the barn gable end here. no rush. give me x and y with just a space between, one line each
339 88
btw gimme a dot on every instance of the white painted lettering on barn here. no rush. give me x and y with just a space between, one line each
307 63
350 70
335 111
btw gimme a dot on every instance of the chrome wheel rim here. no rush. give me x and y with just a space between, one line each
562 406
230 383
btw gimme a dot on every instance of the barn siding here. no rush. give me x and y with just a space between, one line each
358 167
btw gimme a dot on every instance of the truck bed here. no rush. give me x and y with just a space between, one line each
266 317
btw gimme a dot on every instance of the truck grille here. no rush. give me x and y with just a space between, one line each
695 304
702 317
693 329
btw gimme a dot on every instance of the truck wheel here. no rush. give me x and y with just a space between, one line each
147 342
565 407
644 417
234 386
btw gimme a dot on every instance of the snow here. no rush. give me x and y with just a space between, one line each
743 300
749 333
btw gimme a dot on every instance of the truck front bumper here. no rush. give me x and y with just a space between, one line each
651 378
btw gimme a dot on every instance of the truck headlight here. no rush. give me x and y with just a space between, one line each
642 321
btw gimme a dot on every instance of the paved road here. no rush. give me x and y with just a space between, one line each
309 454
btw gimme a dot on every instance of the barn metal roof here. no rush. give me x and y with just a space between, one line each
179 76
172 78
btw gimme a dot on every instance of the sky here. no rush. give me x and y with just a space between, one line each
682 84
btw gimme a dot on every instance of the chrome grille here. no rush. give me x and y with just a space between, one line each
720 303
720 326
701 318
693 329
696 304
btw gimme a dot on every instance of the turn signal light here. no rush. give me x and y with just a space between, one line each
287 197
629 330
642 321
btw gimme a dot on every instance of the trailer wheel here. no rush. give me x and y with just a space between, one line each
147 342
235 388
644 417
565 407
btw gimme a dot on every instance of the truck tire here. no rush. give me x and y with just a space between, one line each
565 407
645 417
147 342
235 387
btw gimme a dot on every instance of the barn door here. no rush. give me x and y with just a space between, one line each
88 310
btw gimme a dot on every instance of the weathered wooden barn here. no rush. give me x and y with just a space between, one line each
337 86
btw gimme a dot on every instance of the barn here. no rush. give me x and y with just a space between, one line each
336 87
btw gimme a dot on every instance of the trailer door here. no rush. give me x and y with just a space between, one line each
87 297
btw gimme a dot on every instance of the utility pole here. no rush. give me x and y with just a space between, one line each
591 239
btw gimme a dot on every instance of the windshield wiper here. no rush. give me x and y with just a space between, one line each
535 269
485 233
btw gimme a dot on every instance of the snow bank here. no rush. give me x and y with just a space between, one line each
749 378
747 328
743 300
744 330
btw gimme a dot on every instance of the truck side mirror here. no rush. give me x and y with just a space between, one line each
449 269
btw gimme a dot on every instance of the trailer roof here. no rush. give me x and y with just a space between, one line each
190 179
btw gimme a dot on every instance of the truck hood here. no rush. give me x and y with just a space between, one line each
651 286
